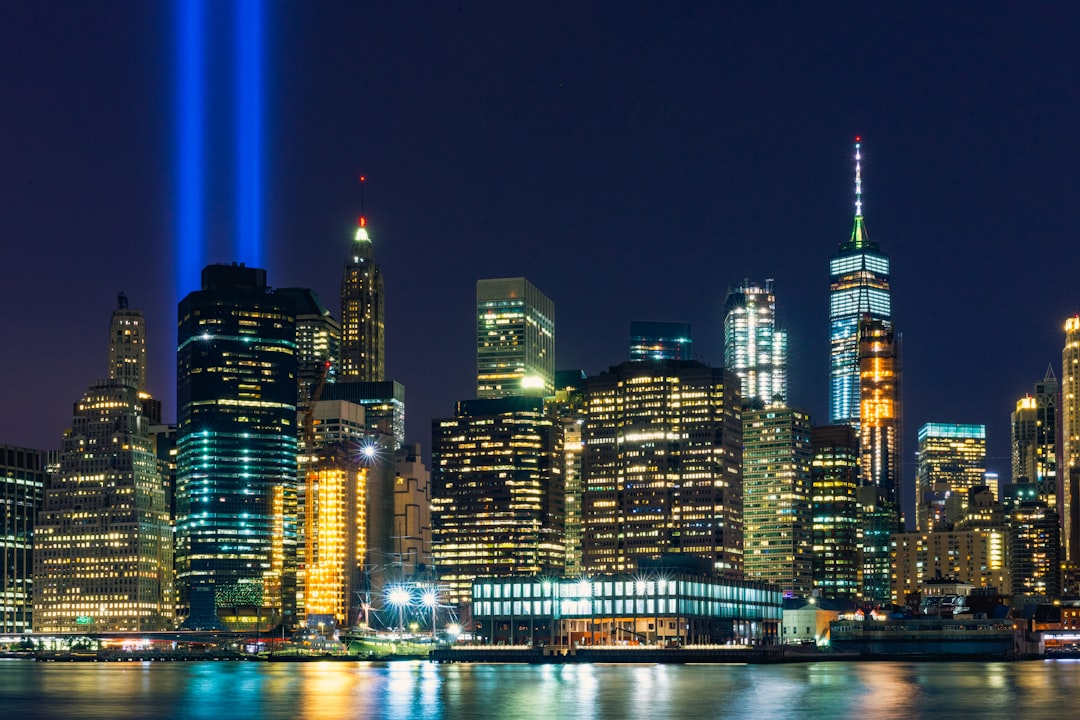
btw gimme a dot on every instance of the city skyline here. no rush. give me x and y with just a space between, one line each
952 183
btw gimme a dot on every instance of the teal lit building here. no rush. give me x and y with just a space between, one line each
835 508
236 450
22 487
858 289
660 341
656 606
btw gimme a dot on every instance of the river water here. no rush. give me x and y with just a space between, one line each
421 690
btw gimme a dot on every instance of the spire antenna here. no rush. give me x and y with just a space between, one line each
858 177
363 217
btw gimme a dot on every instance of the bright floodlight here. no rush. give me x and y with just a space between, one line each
430 598
399 597
453 630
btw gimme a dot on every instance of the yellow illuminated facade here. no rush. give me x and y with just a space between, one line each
964 556
662 467
951 461
879 407
1070 438
363 324
335 538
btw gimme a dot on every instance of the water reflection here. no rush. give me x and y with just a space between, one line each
334 691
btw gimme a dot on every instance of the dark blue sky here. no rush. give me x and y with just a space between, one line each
633 160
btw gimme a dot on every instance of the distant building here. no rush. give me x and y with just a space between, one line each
754 348
318 342
1035 550
662 467
858 288
1070 439
497 503
515 339
660 341
777 513
236 490
363 321
959 555
383 403
879 521
951 460
22 488
411 539
879 414
837 533
568 408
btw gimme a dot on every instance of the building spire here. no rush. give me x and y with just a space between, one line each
858 177
361 223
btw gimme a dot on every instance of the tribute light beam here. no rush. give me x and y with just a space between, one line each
190 143
248 132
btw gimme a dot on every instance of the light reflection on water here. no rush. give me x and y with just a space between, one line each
423 691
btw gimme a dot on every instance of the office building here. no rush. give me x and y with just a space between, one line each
834 473
318 342
777 489
660 341
383 403
1070 440
496 493
858 287
515 339
567 408
363 323
754 348
951 460
879 520
412 513
236 451
662 467
22 488
1034 550
879 414
957 555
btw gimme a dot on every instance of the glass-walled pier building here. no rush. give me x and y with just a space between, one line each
649 608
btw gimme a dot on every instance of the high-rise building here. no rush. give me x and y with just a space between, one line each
660 341
127 345
383 402
318 341
662 467
754 348
567 408
236 450
777 515
858 286
363 348
22 487
412 512
515 339
1070 439
879 520
836 536
960 555
1035 550
496 493
879 413
951 460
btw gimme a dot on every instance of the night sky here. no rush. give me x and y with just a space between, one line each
633 160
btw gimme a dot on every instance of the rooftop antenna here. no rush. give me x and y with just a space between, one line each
363 218
858 177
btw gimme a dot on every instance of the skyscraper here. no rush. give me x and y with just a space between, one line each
515 339
236 448
879 400
318 341
858 287
777 520
662 467
660 341
1070 438
754 348
22 486
363 349
836 536
496 493
103 550
951 460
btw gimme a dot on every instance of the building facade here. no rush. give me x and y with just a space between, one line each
1070 439
662 467
236 487
412 512
497 495
318 342
880 421
951 460
515 339
754 348
383 403
858 287
363 321
777 499
660 341
22 489
834 473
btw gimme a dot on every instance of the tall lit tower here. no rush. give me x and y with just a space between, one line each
515 339
127 345
363 348
951 461
1070 437
879 401
858 286
236 448
754 349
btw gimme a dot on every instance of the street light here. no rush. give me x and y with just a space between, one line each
400 597
431 600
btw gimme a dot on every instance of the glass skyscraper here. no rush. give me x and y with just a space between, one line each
858 288
22 485
515 339
660 341
236 447
951 461
754 348
363 323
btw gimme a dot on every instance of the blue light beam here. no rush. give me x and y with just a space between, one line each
249 98
190 143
